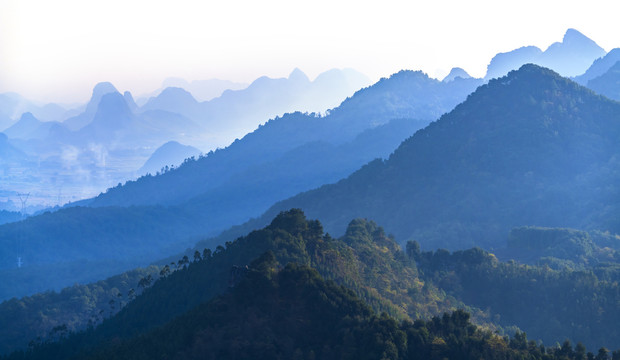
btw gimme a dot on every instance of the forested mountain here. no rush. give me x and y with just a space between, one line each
256 272
9 216
531 148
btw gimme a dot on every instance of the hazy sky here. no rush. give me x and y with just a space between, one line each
57 50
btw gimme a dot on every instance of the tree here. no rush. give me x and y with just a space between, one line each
413 250
145 282
165 271
197 256
603 354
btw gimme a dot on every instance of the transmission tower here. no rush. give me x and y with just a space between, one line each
23 198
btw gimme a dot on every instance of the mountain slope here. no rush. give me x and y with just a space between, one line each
531 148
170 153
237 112
599 67
608 84
29 127
79 121
406 94
279 154
265 291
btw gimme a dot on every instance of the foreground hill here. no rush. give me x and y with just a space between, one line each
259 291
531 148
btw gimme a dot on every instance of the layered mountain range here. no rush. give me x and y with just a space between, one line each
498 199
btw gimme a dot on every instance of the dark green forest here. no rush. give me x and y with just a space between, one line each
202 297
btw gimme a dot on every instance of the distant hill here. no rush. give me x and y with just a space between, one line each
456 72
13 105
9 154
170 153
571 57
608 84
237 112
531 148
204 90
285 156
599 67
29 127
407 94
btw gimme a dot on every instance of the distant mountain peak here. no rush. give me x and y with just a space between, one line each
27 116
298 76
99 91
176 91
574 35
112 105
103 88
456 72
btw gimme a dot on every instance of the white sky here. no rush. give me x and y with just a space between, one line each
57 50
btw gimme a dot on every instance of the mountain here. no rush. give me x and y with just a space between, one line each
13 105
237 112
267 288
608 84
407 94
111 118
79 121
9 154
170 153
599 67
285 156
176 100
531 148
204 90
503 63
9 216
29 127
571 57
456 72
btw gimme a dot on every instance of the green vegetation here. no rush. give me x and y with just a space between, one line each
294 314
550 305
562 248
49 315
192 301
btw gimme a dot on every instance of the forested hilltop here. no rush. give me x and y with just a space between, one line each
378 276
